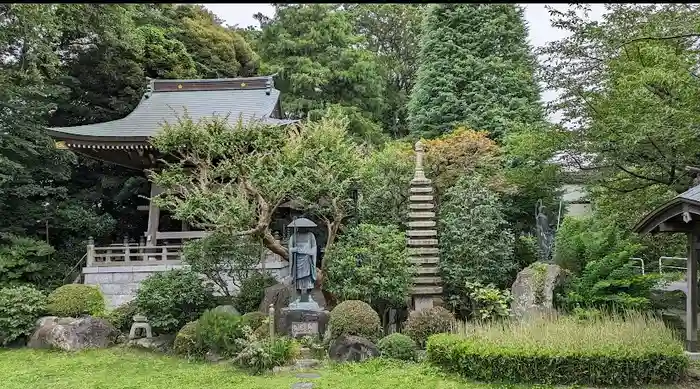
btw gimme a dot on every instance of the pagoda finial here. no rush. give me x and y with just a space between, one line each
419 173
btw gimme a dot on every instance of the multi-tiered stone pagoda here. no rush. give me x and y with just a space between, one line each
423 238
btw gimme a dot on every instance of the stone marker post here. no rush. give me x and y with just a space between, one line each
422 237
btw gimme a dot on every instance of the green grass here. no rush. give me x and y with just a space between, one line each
129 369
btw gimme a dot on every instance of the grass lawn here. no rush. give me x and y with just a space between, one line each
126 369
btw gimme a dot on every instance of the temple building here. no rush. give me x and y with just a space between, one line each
118 267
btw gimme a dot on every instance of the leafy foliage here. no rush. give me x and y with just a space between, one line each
421 324
217 331
627 99
20 307
487 302
24 260
122 316
320 70
397 346
370 263
173 298
74 300
475 69
223 259
604 274
252 292
354 317
258 355
392 31
475 242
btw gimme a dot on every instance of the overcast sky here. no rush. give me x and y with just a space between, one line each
537 17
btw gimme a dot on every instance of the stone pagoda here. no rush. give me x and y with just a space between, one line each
423 238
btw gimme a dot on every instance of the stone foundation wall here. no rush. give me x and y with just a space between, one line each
120 283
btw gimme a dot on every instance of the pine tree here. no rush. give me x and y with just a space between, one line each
476 69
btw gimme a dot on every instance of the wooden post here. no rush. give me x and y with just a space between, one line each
692 297
90 260
153 217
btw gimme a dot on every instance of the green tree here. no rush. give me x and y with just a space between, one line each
475 242
370 263
320 63
392 31
629 100
476 69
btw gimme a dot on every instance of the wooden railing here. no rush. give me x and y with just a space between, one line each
133 254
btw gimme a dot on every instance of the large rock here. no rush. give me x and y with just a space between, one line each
533 289
352 349
72 334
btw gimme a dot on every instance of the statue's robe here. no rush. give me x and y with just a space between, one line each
302 248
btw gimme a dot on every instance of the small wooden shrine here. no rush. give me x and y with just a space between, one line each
681 215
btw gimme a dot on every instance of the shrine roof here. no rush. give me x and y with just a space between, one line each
682 209
166 100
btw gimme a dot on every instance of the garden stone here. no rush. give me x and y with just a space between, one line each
72 334
227 309
303 385
533 289
352 349
161 343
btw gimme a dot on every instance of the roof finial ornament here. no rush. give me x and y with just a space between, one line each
419 173
268 86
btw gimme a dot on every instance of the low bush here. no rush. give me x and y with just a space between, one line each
186 343
20 307
259 355
122 316
258 322
218 331
73 300
173 298
612 350
398 346
252 291
354 317
421 324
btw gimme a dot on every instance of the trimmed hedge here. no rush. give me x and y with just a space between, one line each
73 300
421 324
602 353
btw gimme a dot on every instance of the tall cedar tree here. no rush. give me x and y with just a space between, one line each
476 69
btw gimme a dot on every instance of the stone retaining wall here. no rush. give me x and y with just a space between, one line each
120 283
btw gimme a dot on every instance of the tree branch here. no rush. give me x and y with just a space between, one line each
660 38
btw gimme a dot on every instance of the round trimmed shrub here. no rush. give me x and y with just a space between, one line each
421 324
252 292
173 298
20 307
218 331
122 316
186 343
398 346
354 317
74 300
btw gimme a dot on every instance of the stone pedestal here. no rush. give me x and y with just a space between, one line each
297 323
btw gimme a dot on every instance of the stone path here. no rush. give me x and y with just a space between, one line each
306 363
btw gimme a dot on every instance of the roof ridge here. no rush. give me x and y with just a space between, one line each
191 80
